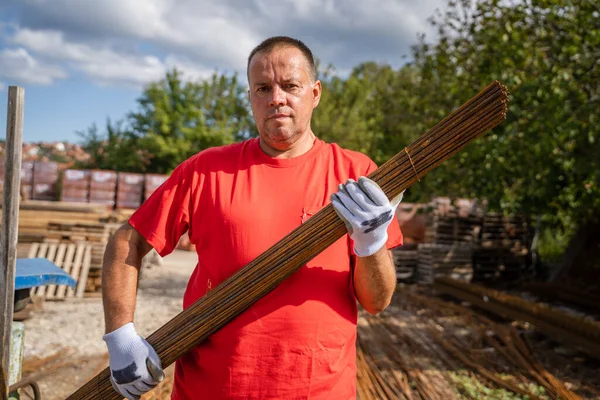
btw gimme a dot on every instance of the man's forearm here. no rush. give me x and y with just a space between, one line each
120 270
375 280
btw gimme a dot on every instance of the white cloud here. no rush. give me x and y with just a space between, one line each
2 86
134 42
112 68
138 18
189 69
103 64
22 67
217 33
50 44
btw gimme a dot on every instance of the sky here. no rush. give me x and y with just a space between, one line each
83 61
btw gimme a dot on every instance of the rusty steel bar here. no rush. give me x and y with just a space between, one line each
581 333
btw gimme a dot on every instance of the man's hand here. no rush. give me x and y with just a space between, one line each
134 365
367 213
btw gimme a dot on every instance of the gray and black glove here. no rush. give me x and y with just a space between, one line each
367 212
134 365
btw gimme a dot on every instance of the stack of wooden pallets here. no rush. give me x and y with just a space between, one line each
95 235
503 251
498 231
436 260
73 258
35 216
406 260
450 228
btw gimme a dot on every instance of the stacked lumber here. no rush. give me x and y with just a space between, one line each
437 260
449 228
498 231
122 215
55 223
94 282
406 260
73 258
95 235
34 217
498 264
503 251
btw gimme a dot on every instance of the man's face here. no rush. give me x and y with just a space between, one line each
283 96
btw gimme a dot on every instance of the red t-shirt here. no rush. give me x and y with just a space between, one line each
297 342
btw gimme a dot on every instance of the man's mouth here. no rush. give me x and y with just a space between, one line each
278 116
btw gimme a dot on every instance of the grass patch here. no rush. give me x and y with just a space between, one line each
469 388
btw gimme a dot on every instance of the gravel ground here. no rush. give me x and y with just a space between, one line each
78 325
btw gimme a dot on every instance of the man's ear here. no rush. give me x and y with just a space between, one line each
317 90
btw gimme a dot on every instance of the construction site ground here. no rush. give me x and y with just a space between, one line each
423 347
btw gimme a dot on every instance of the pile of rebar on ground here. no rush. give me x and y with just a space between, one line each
579 332
425 348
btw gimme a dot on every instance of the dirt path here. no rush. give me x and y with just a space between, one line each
75 328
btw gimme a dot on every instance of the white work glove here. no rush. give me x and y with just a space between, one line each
134 365
367 212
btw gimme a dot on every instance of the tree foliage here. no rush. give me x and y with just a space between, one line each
176 118
115 149
545 159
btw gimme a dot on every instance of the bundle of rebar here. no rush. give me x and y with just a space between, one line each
580 332
483 112
422 347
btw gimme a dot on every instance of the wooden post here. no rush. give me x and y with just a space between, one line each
9 228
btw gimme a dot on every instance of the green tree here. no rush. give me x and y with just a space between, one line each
115 149
544 160
178 118
350 112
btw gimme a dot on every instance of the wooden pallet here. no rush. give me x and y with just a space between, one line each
406 260
73 258
450 228
94 234
437 260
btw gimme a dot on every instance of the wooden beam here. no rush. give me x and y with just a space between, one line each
9 228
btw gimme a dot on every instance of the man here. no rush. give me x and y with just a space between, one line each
235 202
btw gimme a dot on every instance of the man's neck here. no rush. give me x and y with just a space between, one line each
301 146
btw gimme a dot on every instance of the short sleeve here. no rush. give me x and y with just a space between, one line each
164 217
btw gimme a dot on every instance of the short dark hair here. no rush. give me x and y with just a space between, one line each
274 42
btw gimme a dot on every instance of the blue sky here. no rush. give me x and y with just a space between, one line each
81 62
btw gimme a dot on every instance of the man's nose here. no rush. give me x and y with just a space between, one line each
278 97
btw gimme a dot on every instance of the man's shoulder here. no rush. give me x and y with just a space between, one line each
226 149
218 154
350 156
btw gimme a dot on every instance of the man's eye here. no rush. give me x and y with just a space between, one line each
262 89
